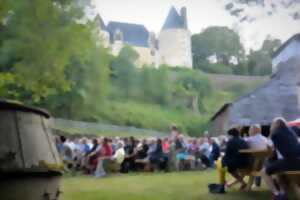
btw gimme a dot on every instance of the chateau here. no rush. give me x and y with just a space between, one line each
172 46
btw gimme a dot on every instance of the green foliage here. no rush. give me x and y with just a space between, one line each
194 86
225 43
154 85
124 73
221 41
39 39
151 116
49 58
259 63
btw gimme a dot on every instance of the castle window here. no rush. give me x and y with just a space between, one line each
152 52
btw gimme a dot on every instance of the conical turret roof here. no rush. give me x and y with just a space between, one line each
174 20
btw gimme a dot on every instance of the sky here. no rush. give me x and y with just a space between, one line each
201 14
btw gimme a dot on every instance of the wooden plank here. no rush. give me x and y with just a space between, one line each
255 168
9 143
257 153
292 173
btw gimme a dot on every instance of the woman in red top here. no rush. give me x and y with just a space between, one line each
105 152
166 146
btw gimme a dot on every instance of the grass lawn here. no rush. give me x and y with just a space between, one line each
156 186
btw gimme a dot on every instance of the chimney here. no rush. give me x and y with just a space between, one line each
184 17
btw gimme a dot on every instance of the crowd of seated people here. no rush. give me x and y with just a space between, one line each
283 141
99 156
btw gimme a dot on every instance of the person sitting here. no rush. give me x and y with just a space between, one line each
205 150
233 160
215 151
104 154
129 161
91 157
166 146
180 151
118 157
287 147
157 157
256 140
142 155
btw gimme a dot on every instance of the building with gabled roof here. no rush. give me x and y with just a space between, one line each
278 97
132 34
173 47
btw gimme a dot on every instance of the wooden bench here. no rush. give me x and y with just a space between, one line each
254 170
148 167
294 179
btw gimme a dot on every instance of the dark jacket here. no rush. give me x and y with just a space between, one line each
215 153
232 158
285 141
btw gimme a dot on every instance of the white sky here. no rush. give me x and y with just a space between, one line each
201 14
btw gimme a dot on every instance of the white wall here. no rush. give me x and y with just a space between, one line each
175 48
116 47
293 49
145 56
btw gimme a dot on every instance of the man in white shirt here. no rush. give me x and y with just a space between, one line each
120 153
256 140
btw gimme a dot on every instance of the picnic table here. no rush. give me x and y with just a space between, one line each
294 179
255 168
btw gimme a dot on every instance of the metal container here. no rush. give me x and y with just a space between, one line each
30 166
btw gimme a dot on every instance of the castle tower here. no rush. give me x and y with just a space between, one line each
101 31
175 40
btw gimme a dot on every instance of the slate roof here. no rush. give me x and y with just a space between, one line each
276 98
284 45
133 34
174 20
99 21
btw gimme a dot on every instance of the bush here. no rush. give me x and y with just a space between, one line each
214 68
150 116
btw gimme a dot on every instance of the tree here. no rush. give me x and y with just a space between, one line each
193 87
270 45
242 9
221 41
260 61
37 41
124 73
154 85
50 58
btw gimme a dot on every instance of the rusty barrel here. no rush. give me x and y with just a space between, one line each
30 166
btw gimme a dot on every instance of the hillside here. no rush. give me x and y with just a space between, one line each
133 117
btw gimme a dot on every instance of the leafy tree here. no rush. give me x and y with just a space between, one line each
221 41
123 69
242 9
193 86
260 61
154 85
37 41
270 46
